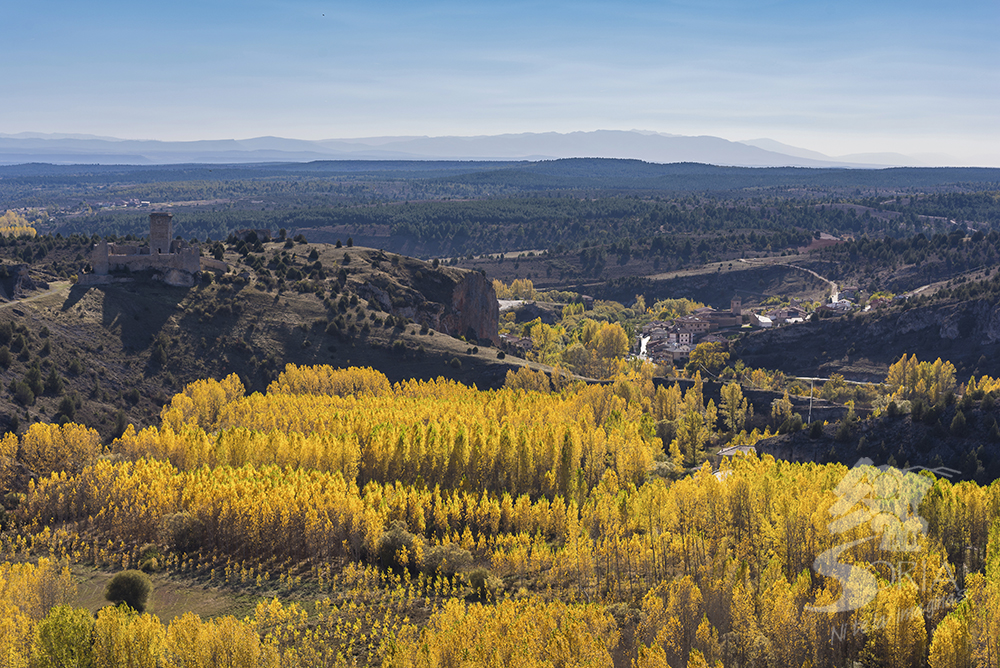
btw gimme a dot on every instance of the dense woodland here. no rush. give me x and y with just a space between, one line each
555 224
449 208
427 523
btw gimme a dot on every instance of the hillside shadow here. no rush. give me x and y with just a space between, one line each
75 294
136 312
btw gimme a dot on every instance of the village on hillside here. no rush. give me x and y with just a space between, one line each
671 341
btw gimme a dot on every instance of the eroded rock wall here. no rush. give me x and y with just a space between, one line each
474 311
456 302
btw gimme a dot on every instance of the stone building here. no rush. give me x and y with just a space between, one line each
165 258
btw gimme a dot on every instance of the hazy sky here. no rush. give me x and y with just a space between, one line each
913 77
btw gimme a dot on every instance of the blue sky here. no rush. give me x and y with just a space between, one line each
912 77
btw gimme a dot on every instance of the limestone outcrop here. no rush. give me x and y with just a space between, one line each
453 301
473 312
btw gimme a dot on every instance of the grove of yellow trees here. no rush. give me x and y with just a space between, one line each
443 525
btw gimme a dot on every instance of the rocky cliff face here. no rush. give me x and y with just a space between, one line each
473 311
965 333
456 302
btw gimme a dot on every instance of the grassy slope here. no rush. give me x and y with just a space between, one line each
172 596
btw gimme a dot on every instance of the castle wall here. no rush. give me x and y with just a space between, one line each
185 260
212 263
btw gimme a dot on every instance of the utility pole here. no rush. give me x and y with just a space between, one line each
811 383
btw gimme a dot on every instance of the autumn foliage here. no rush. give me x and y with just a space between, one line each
442 525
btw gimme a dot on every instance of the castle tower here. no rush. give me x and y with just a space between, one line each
736 306
161 231
99 258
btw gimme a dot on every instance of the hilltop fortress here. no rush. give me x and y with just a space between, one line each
165 258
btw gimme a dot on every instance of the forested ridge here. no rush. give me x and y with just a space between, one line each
489 207
555 224
428 523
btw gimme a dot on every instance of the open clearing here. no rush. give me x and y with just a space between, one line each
171 597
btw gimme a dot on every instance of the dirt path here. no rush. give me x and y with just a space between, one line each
57 288
834 289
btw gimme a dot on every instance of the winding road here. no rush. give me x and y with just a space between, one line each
834 288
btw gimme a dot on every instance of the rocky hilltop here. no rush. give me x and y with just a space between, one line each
109 355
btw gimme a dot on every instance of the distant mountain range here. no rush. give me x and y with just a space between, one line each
648 146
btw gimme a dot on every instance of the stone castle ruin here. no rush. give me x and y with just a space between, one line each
165 258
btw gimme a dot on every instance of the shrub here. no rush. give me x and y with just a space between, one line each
792 424
396 548
843 432
131 588
120 423
33 378
75 366
484 584
54 383
455 363
447 559
183 531
22 393
150 559
67 407
994 434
